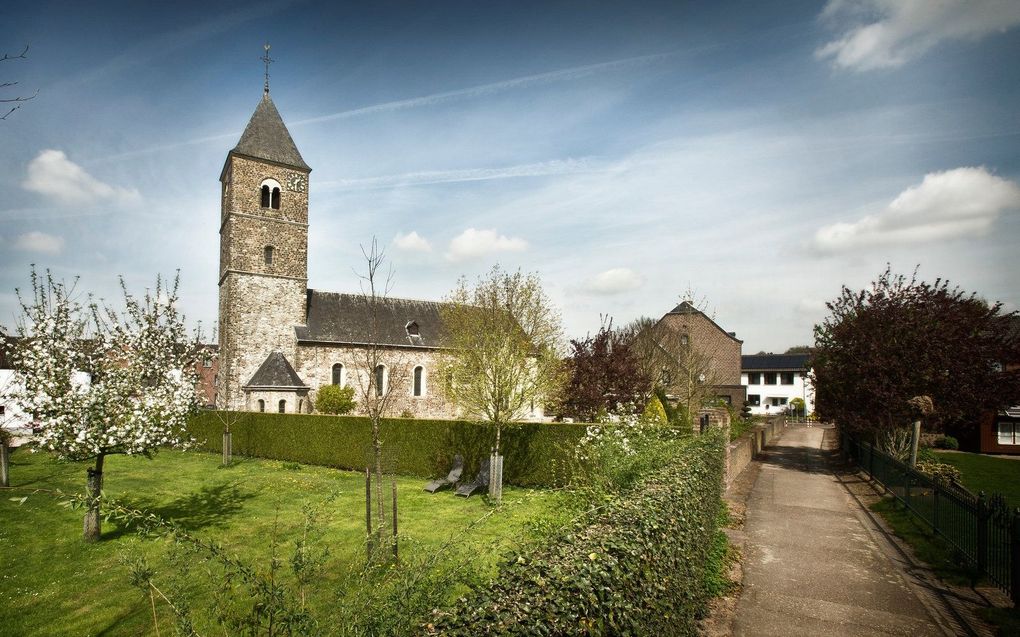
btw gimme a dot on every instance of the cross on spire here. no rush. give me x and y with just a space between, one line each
268 60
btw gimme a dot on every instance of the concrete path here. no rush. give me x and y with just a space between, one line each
814 563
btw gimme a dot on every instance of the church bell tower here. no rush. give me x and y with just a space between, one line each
263 276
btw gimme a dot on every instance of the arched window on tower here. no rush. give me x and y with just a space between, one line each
269 194
267 255
338 374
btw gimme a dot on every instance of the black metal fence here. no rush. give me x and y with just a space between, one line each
982 529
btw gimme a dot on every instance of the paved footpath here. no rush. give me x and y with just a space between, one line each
814 563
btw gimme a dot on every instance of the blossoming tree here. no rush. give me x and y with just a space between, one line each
102 381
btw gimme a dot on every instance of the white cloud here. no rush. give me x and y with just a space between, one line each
473 243
412 242
906 29
56 177
963 202
39 242
614 281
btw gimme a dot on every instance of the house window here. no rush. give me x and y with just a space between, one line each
265 198
770 378
338 374
207 362
1007 434
276 199
267 255
786 378
419 381
684 339
262 405
283 406
725 399
777 402
754 400
380 380
301 405
3 409
754 378
666 378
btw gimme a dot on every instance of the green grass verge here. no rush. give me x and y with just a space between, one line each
52 583
988 474
936 552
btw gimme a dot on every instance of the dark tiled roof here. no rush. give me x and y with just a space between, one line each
276 371
756 362
347 318
266 137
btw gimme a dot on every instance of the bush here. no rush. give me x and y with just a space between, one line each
535 454
335 400
640 566
947 442
940 472
654 412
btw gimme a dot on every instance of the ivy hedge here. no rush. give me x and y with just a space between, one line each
535 454
637 568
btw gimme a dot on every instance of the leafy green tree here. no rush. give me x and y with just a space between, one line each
505 347
654 412
335 400
901 338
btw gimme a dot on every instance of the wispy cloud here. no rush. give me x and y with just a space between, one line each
614 281
423 178
963 202
472 244
573 73
906 29
64 182
412 242
40 242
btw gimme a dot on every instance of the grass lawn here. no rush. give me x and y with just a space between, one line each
988 474
52 583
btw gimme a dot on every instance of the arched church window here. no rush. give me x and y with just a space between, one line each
283 406
270 194
262 405
267 255
380 380
338 374
419 381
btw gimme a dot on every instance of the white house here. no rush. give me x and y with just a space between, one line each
773 380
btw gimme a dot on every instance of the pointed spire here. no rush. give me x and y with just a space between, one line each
268 60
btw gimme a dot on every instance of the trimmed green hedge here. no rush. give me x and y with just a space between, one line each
535 454
638 568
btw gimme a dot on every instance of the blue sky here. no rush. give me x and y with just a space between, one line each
762 154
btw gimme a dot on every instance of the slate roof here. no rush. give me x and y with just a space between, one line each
757 362
276 372
334 317
267 137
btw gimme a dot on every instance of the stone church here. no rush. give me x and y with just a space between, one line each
279 340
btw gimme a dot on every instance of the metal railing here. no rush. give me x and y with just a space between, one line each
982 529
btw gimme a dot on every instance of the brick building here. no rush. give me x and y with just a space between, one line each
280 341
697 350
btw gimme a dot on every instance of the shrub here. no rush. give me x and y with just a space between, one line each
336 400
940 472
654 412
639 566
947 442
535 454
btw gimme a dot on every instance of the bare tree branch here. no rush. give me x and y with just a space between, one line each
20 98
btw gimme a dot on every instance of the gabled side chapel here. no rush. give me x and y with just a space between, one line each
280 341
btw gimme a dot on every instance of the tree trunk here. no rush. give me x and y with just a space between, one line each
5 465
92 522
226 448
915 438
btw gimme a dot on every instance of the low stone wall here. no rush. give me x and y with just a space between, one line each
744 449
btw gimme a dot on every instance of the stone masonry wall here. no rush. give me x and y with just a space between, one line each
314 364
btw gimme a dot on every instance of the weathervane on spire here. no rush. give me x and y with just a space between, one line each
268 60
